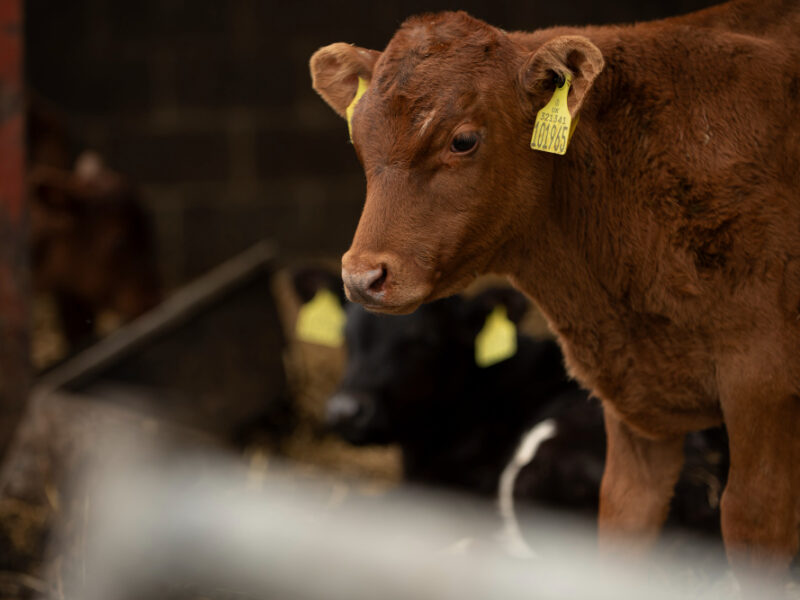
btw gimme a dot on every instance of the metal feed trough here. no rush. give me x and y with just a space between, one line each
209 356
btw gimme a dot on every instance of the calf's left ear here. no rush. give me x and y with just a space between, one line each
474 311
568 54
515 303
335 71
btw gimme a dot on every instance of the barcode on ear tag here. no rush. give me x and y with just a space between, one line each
321 320
553 128
497 341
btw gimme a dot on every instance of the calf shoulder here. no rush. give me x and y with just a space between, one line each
675 216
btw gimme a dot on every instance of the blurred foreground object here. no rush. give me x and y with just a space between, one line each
198 524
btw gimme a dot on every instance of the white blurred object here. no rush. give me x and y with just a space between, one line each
195 520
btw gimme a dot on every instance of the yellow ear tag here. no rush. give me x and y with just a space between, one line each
554 125
497 341
321 320
362 87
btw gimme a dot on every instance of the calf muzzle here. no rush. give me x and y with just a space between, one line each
342 407
355 417
365 286
383 282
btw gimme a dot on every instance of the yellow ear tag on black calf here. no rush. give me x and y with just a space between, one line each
497 341
321 320
554 125
362 87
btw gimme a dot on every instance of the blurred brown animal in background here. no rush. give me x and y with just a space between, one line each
92 245
663 247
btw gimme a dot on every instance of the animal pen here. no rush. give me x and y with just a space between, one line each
166 175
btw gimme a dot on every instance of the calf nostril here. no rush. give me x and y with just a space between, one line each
366 286
377 284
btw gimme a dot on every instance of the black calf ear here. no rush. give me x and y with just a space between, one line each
490 319
310 280
515 303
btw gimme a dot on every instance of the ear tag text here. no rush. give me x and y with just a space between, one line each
362 87
321 320
554 125
497 341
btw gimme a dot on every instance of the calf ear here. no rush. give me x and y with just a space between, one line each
335 71
474 311
515 302
553 60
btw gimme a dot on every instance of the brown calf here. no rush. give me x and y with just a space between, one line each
663 247
92 245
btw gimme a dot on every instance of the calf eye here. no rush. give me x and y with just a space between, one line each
464 142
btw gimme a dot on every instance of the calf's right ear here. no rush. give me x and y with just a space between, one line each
567 54
335 71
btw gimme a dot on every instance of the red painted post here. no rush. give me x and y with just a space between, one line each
14 312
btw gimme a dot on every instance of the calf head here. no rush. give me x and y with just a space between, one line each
443 132
410 376
91 239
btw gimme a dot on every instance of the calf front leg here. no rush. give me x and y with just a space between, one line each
761 502
637 485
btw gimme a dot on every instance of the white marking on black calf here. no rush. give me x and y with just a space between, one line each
526 450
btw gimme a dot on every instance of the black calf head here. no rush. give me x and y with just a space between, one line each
398 369
408 374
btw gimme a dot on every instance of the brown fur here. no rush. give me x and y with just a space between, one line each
664 247
91 245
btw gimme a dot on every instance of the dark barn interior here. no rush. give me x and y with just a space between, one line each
202 112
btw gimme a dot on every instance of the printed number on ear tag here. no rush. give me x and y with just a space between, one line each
554 125
497 341
362 87
321 320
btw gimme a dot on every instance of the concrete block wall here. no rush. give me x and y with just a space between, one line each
208 105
